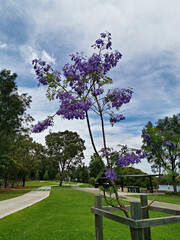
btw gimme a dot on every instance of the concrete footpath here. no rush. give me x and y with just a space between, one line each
129 197
16 204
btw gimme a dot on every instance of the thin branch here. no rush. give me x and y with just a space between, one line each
92 140
154 197
110 204
118 200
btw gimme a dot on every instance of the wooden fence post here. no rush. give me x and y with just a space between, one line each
136 234
145 215
98 219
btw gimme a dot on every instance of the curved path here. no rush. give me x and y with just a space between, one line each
13 205
129 197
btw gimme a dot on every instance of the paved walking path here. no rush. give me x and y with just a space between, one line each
13 205
129 197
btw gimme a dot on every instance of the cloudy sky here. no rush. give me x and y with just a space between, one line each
145 32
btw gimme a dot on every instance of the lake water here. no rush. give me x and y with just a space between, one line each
168 188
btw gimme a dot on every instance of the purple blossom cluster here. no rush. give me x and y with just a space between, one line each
104 152
41 126
84 80
116 119
121 159
104 42
42 69
147 137
124 161
117 97
111 60
69 108
169 144
111 174
79 73
97 92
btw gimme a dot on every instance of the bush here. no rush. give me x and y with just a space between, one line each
58 176
46 175
92 181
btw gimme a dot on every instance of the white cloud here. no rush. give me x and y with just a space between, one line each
29 53
3 45
46 57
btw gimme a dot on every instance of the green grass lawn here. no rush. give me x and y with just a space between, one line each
65 215
163 198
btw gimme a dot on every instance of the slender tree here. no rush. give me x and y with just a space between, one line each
81 90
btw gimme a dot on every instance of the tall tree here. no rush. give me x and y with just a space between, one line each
27 153
65 149
162 144
12 110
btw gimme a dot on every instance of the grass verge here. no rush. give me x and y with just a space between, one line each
163 198
8 193
66 215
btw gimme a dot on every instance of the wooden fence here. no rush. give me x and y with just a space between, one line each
139 222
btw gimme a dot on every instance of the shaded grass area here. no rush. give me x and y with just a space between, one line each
163 198
11 193
8 193
85 185
66 215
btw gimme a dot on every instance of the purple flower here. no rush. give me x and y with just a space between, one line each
98 91
70 108
131 158
118 97
104 42
147 137
42 69
116 119
111 174
104 151
169 144
41 126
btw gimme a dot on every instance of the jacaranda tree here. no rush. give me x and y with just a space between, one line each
81 88
162 144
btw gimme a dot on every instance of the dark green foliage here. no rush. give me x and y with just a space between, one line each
82 174
95 166
134 181
46 175
163 146
12 110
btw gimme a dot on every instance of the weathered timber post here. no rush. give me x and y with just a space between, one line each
136 234
145 215
98 219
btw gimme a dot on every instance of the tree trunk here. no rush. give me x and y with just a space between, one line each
61 177
174 185
24 180
13 182
5 182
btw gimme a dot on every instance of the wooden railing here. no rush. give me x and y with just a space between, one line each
139 222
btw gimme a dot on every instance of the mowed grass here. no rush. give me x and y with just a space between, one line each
65 215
